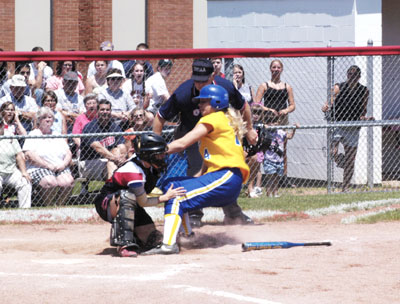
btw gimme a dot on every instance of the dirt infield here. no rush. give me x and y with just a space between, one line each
73 263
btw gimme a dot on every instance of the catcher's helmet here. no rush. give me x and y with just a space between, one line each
218 95
149 147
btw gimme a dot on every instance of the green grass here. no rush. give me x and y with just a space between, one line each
388 216
297 203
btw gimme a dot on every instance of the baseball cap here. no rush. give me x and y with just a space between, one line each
115 75
18 81
107 46
202 69
165 62
71 76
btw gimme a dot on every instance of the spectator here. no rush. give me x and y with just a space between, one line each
97 82
112 64
21 69
13 169
138 122
122 103
273 161
180 103
217 63
49 160
136 87
349 103
25 106
157 85
10 119
240 84
100 155
90 102
255 160
128 65
49 99
277 97
56 81
39 73
70 103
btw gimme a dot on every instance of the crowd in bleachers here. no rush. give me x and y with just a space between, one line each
38 99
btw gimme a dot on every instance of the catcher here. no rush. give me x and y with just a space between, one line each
123 196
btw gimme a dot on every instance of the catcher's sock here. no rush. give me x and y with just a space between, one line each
171 228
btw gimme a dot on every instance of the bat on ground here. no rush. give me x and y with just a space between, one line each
278 245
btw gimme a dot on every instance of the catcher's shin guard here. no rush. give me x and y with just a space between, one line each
122 229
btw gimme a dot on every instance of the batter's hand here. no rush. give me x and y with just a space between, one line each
252 136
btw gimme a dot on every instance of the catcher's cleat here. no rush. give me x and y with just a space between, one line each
163 249
127 252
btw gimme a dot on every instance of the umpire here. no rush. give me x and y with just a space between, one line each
180 103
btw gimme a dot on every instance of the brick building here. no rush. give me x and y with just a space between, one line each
61 25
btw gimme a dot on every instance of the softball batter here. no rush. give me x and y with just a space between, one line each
224 167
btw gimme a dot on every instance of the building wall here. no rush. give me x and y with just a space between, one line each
81 24
128 23
170 24
7 24
32 29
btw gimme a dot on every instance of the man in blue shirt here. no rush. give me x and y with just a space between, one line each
180 103
100 155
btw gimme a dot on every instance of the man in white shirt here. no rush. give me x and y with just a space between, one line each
106 46
158 86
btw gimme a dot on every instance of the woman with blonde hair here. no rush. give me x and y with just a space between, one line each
277 97
224 170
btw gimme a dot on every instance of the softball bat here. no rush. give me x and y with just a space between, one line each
278 245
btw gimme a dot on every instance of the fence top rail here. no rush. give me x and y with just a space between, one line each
349 124
199 53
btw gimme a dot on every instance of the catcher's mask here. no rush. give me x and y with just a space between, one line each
151 148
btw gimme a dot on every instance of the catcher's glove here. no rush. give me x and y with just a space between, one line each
264 141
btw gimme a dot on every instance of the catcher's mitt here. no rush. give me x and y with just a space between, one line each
264 141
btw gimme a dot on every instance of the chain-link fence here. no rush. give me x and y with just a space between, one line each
345 109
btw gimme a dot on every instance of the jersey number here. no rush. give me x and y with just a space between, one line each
206 154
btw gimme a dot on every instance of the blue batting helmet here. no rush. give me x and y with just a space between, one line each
218 95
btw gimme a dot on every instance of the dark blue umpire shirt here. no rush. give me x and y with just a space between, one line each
181 102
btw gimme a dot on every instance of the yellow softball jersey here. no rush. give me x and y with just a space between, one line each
220 148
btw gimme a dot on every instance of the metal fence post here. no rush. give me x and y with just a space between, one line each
370 112
329 131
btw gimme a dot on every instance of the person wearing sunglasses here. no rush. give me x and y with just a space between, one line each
139 121
122 102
